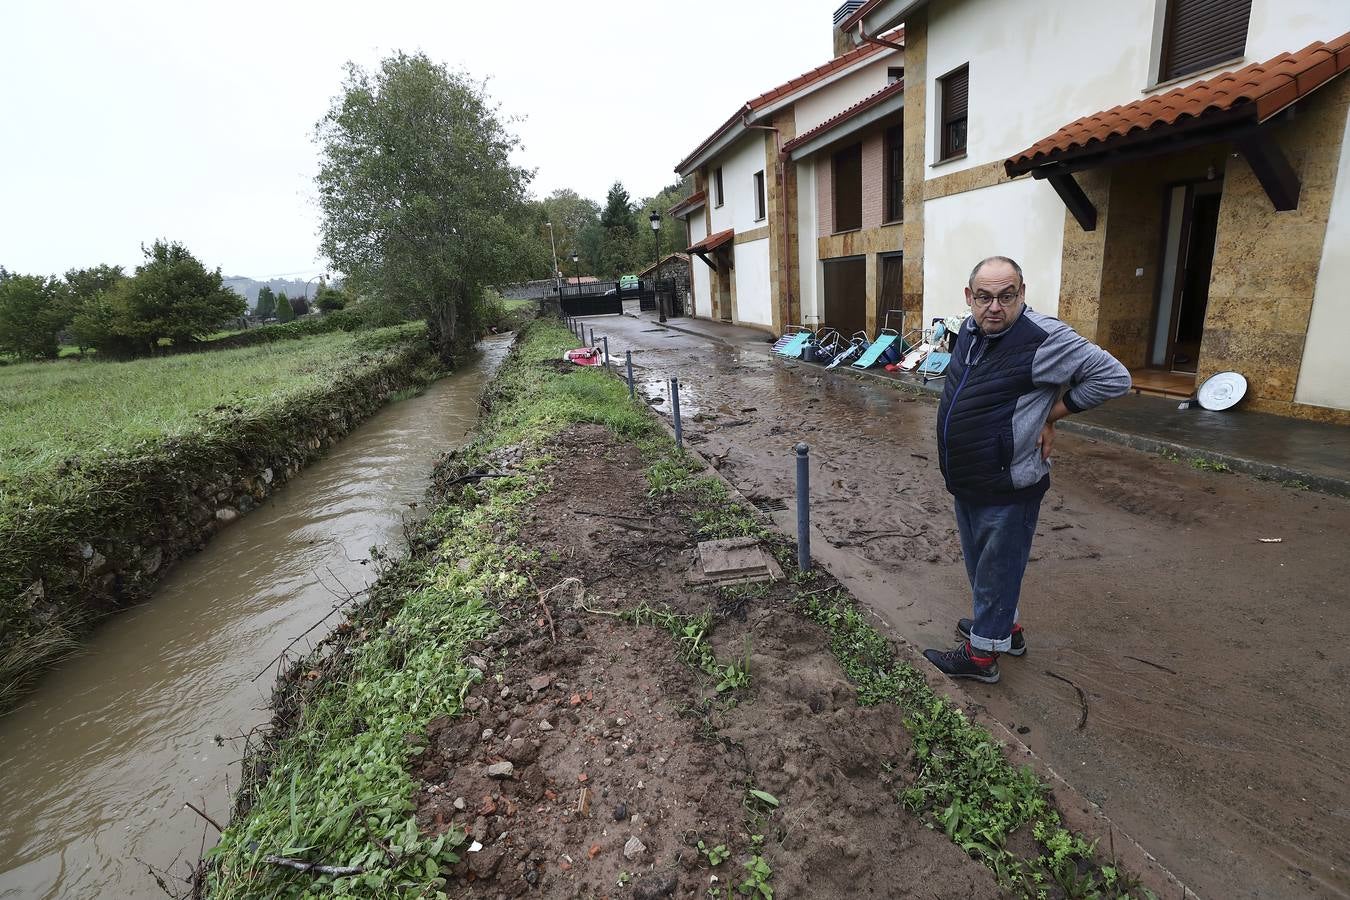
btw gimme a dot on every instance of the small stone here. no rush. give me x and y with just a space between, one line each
472 704
478 663
545 726
540 682
487 734
226 515
608 761
506 692
460 804
656 886
268 475
633 848
620 812
501 770
621 721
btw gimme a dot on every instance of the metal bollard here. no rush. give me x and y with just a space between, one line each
632 390
606 340
675 411
803 508
591 342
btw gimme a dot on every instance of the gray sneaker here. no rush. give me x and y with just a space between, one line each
1019 640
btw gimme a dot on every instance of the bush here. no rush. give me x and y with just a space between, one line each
285 312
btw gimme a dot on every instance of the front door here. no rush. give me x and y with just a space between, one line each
1188 261
846 294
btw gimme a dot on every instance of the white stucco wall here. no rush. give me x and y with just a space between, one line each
752 283
1023 220
739 165
834 98
700 274
1034 71
1324 377
809 278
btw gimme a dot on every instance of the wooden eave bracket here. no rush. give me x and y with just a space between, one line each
703 255
1272 169
1073 197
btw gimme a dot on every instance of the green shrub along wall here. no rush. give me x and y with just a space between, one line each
69 558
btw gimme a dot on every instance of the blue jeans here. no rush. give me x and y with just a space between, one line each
996 543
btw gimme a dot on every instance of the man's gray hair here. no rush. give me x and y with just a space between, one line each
970 283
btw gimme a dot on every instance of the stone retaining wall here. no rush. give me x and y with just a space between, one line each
66 562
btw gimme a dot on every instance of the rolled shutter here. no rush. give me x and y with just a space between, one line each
1202 33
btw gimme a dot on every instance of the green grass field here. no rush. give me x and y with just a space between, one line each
52 411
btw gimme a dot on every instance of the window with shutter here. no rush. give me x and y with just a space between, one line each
1198 34
848 188
955 90
895 174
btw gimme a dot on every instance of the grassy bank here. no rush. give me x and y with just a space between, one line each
331 785
111 471
67 416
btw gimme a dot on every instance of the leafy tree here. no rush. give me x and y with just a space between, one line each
172 295
86 284
421 203
33 308
285 312
267 302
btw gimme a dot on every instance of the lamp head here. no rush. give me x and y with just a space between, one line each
655 219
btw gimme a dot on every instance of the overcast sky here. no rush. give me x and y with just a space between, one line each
125 121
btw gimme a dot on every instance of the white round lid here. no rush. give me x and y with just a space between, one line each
1222 390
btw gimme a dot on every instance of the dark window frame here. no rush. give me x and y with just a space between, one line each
1201 34
894 74
894 174
954 113
761 201
718 194
849 159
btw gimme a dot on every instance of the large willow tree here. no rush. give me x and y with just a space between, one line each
421 204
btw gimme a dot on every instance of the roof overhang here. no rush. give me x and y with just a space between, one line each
1236 107
877 16
711 244
694 201
760 108
865 113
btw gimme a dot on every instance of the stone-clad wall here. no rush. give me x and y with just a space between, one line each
1266 262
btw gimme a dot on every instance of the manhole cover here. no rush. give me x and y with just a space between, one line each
768 504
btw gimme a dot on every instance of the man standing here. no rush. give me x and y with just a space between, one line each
1013 374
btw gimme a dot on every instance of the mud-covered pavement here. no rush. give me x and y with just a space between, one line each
1213 664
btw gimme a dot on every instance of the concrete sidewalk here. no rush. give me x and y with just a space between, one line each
1303 453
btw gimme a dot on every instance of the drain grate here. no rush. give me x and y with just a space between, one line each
768 504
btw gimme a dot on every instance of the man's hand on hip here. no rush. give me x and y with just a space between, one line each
1047 439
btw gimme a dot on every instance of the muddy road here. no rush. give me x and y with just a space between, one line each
1213 665
95 767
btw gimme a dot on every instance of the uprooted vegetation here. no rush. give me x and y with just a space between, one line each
538 699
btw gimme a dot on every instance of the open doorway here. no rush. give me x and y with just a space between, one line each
1187 264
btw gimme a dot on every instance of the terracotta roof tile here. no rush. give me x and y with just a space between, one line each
788 87
712 241
688 203
1253 93
861 106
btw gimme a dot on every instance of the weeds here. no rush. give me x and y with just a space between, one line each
1209 465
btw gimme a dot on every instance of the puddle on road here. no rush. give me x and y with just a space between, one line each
96 766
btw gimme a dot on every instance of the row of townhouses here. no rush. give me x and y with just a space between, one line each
1173 175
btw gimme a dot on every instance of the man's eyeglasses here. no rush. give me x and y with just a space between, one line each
1005 299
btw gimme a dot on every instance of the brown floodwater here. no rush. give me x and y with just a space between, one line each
95 767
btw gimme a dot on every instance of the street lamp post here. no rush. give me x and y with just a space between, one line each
576 267
320 278
557 273
655 219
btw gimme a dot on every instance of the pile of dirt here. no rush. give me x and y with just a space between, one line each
593 761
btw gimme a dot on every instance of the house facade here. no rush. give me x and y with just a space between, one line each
743 218
1172 175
